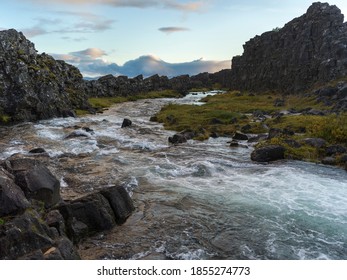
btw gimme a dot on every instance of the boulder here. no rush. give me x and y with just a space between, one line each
27 236
36 180
120 202
12 198
37 151
240 136
177 139
233 144
24 234
94 211
126 123
268 153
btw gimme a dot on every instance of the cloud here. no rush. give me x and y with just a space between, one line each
192 6
172 29
34 31
93 53
91 64
82 23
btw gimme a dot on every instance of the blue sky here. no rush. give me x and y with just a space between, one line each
132 37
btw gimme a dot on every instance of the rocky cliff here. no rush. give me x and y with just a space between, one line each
110 85
309 50
35 86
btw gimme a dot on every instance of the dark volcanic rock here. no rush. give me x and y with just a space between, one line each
126 123
309 49
268 153
120 203
94 211
37 151
36 180
12 198
240 136
177 139
34 86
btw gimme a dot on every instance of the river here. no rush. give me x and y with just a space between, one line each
197 200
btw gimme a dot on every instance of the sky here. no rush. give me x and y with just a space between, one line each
133 37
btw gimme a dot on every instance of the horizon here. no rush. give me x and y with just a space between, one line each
171 37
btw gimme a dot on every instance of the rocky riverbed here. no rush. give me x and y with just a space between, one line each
195 200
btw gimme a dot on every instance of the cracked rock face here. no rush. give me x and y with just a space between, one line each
35 86
309 49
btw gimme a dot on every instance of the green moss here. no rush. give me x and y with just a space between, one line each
304 152
106 102
2 222
5 119
81 113
220 111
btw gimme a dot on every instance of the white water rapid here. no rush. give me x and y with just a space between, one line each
198 200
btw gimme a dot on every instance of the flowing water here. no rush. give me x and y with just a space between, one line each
198 200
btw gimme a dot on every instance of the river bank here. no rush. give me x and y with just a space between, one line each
196 200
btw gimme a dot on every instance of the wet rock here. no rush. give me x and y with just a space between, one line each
268 153
183 136
37 151
12 198
177 139
257 138
120 202
78 134
38 183
94 211
240 136
126 123
234 144
214 134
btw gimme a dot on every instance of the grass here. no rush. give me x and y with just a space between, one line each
225 114
106 102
